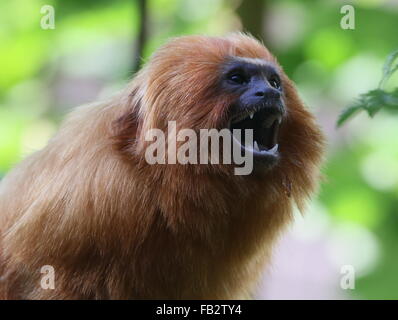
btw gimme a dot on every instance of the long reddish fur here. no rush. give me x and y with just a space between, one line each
115 227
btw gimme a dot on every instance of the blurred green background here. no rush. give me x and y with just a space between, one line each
92 53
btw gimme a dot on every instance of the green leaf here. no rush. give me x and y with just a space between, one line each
371 102
374 100
389 68
348 113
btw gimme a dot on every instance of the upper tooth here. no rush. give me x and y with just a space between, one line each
251 115
256 146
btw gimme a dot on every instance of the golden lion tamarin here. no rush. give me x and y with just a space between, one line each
113 226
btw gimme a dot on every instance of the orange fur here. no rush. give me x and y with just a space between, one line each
115 227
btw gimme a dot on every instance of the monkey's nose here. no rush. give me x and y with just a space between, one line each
268 93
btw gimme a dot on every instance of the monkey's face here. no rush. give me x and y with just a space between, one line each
259 106
231 83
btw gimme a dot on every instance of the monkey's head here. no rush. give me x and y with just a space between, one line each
230 82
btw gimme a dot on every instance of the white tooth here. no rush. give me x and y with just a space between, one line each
251 115
256 146
274 149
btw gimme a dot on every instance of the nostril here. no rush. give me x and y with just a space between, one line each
269 94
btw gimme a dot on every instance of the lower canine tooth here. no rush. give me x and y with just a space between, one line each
256 146
274 149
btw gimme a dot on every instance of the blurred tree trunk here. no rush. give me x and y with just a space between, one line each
252 13
142 33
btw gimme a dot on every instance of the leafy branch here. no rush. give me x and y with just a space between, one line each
374 100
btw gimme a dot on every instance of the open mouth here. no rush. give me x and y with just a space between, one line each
265 123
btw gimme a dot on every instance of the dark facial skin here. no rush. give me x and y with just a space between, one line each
254 83
259 105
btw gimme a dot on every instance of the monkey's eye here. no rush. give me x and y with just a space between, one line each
237 78
275 83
